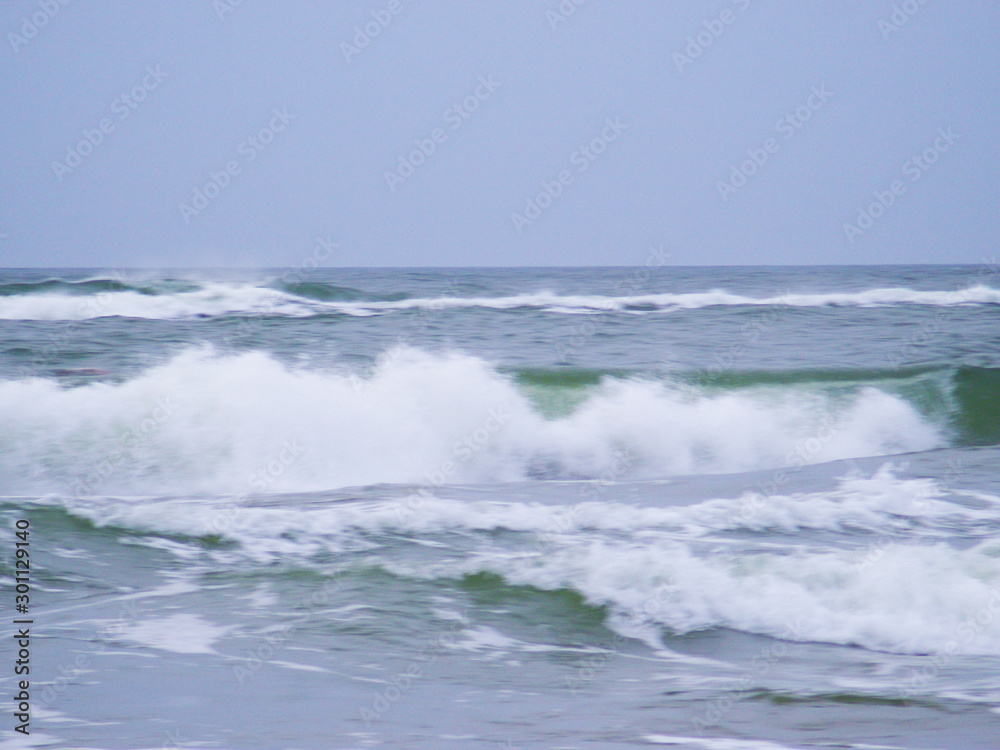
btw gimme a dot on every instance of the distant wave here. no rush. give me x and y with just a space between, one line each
329 293
205 300
85 286
54 299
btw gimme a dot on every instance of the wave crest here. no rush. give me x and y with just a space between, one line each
61 300
249 423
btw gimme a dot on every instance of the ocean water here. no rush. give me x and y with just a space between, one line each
714 508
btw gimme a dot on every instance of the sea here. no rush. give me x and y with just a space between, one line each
711 508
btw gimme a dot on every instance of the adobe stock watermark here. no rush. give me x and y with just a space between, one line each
566 516
364 33
914 169
383 361
462 450
122 106
588 668
31 25
251 324
264 477
750 333
175 738
81 665
562 12
325 247
223 8
760 665
249 149
260 480
965 635
401 682
136 436
454 117
804 452
901 14
714 28
786 127
88 306
631 285
269 645
920 499
581 158
936 326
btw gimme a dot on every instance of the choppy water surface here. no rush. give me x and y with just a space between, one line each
694 507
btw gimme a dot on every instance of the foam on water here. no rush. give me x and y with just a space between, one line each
248 423
881 504
212 299
180 633
915 599
906 591
217 298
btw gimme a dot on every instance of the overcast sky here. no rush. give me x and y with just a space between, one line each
521 132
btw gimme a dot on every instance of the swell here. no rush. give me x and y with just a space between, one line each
977 419
323 292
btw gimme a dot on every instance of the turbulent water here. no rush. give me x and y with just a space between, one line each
722 508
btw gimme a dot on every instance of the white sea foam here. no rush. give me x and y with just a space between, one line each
881 504
916 599
248 423
216 298
211 299
181 634
651 566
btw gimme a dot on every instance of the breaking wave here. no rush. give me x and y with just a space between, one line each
55 299
249 423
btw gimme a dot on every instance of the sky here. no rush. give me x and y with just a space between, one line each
484 133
